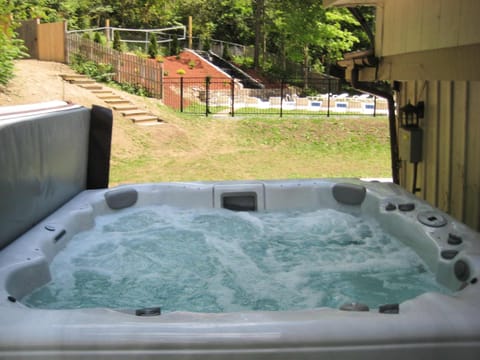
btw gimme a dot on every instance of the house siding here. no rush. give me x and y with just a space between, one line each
449 175
420 25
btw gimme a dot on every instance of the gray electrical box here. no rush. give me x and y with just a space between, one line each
410 144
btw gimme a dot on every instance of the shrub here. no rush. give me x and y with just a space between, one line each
174 47
244 62
87 35
191 64
100 72
97 38
117 44
181 72
10 49
206 44
152 46
226 52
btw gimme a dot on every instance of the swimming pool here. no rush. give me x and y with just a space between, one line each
430 325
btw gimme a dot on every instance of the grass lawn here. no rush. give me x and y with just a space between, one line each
188 148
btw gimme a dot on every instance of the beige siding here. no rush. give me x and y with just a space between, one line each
449 175
430 145
472 168
419 25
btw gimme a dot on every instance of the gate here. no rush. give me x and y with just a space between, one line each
44 41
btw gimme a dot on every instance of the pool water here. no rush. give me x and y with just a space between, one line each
216 260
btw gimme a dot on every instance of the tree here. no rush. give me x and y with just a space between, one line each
97 37
259 9
174 47
152 46
117 44
304 29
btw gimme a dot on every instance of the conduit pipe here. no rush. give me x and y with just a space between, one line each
386 93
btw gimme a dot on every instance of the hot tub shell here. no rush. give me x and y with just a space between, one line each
431 325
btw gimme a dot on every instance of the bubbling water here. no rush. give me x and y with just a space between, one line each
215 260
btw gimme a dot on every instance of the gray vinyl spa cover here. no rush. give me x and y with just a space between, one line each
43 163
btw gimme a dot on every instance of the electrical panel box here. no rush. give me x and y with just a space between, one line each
410 144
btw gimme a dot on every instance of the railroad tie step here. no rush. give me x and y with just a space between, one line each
133 112
73 77
82 81
122 107
143 118
110 96
92 86
116 101
102 91
78 76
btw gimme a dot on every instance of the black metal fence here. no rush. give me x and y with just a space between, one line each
222 96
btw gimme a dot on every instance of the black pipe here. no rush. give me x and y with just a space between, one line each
375 90
415 189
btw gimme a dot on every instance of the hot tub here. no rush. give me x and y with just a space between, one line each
431 325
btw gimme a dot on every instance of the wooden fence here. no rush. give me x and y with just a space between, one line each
127 68
43 41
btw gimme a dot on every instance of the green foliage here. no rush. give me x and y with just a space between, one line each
103 73
152 46
226 53
117 44
139 52
11 48
134 89
244 62
99 38
206 44
303 33
100 72
174 46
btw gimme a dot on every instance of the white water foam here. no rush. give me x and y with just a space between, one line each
217 260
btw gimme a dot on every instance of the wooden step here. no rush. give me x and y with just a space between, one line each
103 91
82 81
116 101
149 123
142 118
133 112
73 76
73 79
110 96
122 107
93 86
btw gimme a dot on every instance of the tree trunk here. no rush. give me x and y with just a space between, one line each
259 6
305 67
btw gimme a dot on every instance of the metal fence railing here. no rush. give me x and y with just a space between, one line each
212 96
225 95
